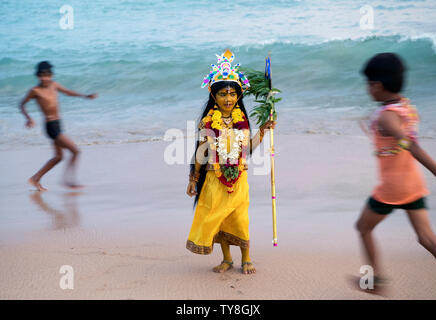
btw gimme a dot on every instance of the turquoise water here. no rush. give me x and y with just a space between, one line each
147 60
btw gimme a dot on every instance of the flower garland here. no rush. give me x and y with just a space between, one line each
216 117
236 148
235 160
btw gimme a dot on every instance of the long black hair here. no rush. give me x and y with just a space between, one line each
207 107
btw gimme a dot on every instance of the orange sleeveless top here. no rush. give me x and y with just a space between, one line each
401 181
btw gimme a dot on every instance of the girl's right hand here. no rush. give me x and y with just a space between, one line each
190 191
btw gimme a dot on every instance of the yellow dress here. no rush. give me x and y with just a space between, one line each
220 215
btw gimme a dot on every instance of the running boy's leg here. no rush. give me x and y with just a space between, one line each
70 173
421 223
365 225
34 180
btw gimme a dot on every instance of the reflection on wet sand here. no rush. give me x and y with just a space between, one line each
69 217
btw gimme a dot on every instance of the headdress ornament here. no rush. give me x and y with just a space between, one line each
224 71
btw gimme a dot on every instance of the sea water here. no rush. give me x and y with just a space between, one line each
147 59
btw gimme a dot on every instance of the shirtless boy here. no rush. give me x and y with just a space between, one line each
45 94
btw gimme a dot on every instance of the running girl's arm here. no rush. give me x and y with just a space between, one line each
422 156
72 93
390 122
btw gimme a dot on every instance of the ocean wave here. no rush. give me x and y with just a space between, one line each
146 60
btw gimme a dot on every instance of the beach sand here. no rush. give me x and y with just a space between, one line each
124 235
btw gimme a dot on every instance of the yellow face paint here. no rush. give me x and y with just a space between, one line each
226 99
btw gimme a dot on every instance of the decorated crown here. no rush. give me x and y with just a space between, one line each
223 71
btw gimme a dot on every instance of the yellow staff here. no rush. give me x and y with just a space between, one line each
273 184
260 86
271 139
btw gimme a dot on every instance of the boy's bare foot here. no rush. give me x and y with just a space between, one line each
73 186
381 285
69 183
223 267
36 184
248 268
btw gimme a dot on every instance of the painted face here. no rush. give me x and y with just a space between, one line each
226 99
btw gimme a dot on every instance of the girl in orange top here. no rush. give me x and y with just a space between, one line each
394 130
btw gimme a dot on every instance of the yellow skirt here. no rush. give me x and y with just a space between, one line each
220 215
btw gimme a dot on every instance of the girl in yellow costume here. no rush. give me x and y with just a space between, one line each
218 176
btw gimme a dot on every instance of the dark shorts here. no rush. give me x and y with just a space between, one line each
385 208
53 128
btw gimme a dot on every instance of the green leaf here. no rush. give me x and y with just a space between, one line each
264 96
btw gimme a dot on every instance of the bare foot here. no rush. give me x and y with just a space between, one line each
381 285
36 184
72 185
75 186
247 268
223 267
